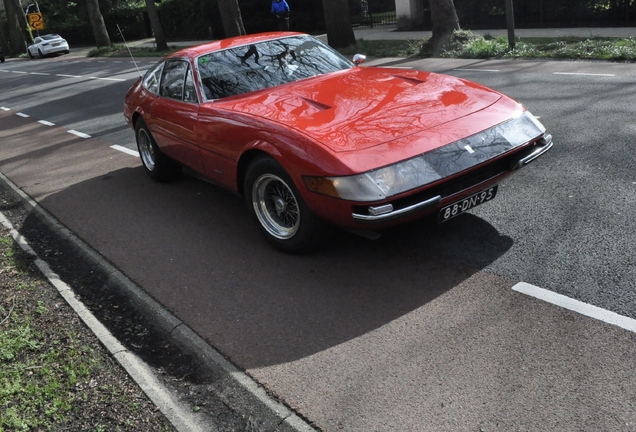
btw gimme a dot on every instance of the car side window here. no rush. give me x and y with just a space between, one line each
190 93
37 40
152 78
173 80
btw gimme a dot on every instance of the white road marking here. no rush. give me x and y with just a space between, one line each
583 74
125 150
79 134
39 73
46 123
577 306
68 76
5 109
478 70
108 79
19 72
5 71
22 115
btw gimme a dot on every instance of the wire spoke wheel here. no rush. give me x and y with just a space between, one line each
146 150
276 206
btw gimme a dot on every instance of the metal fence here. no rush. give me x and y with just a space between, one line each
375 13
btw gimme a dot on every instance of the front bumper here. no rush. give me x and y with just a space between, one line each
447 191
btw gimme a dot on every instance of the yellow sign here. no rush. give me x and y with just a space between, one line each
35 21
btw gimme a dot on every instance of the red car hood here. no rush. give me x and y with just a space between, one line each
364 107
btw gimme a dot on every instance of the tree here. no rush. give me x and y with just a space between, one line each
97 21
445 21
155 23
231 18
338 22
16 21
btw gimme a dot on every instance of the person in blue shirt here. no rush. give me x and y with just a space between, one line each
280 10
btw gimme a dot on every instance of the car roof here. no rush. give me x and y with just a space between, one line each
219 45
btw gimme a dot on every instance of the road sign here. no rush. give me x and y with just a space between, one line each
35 21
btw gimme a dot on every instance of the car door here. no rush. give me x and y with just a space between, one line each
173 121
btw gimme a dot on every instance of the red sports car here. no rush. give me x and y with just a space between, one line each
311 139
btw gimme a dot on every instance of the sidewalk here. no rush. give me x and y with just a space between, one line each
392 33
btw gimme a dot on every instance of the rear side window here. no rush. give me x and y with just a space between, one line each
173 81
152 78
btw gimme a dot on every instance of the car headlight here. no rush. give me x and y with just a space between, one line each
429 167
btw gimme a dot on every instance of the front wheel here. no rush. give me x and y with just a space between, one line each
158 166
278 209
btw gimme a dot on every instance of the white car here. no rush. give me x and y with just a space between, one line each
48 44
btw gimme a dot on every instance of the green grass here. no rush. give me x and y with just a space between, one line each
466 44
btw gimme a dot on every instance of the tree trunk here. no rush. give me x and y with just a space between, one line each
97 21
4 44
338 22
155 23
16 21
231 17
445 21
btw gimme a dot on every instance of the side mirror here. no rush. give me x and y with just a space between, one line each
359 58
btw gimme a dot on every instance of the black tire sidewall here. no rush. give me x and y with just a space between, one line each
165 168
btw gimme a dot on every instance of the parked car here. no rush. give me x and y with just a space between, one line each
310 138
48 44
1 56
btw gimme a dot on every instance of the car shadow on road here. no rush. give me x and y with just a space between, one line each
192 246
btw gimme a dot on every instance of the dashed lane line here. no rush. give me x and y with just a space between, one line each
477 70
583 74
577 306
48 123
108 79
79 134
125 150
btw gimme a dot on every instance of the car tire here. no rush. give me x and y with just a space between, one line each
158 166
40 53
30 55
279 210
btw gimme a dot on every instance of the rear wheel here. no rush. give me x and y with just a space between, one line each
278 209
30 54
158 166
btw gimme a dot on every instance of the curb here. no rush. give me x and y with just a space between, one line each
235 388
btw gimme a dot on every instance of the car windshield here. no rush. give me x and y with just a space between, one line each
266 64
50 36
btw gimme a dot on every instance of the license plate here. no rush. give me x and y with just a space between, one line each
450 211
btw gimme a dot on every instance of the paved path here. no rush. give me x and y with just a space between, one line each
392 33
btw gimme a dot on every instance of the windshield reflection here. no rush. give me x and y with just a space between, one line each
266 64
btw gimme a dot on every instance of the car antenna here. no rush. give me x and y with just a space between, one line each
131 56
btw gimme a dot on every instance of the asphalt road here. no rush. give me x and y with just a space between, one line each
419 330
